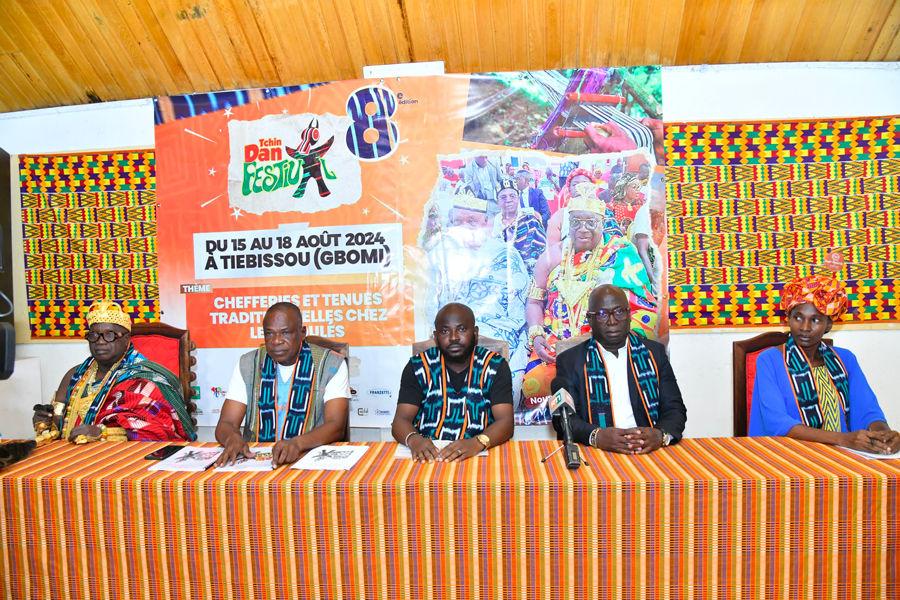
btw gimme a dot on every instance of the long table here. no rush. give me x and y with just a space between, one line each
707 518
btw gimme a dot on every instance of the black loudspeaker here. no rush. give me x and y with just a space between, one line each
7 328
7 350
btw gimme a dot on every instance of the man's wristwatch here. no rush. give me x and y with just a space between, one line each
485 440
667 437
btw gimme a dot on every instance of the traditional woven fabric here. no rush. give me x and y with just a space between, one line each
777 143
89 227
751 206
804 386
447 413
641 364
299 407
723 518
827 294
756 304
829 401
526 234
133 367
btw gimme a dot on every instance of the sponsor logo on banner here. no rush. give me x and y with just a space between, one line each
382 413
217 391
287 163
353 396
362 411
380 392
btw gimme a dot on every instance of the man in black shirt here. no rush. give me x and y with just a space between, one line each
626 396
455 391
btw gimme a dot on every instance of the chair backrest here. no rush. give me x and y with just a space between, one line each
744 355
563 345
343 349
171 347
499 346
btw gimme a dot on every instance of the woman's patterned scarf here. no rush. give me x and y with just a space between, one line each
801 376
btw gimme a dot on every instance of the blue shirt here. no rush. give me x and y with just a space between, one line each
774 409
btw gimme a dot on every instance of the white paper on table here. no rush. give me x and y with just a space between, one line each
872 455
330 458
404 451
262 461
190 458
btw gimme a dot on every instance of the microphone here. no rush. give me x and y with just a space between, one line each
561 403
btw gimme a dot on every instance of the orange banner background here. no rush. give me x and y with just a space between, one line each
359 314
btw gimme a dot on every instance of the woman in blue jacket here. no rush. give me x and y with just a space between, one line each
810 391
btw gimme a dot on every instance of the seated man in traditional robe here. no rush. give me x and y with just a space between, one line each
117 394
626 396
288 391
563 279
808 390
456 391
518 225
468 266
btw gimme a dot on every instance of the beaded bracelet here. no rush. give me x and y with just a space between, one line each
409 435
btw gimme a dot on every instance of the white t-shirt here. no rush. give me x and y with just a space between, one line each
338 387
641 224
617 373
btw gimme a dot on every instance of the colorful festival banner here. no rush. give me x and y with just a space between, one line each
371 204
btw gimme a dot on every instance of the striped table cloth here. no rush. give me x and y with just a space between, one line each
708 518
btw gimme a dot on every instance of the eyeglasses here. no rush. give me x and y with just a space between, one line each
589 224
108 336
603 315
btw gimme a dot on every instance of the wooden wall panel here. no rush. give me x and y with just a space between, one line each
59 52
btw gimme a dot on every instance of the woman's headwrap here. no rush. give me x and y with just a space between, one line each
624 181
826 293
575 173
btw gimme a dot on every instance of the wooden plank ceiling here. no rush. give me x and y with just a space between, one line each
61 52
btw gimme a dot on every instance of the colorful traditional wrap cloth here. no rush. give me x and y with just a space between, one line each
720 518
143 397
804 386
641 363
447 413
827 294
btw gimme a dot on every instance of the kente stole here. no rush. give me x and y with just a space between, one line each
447 413
641 364
300 401
804 386
130 357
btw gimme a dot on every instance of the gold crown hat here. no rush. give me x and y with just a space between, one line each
466 200
104 311
587 199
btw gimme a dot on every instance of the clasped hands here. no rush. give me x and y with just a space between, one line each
423 450
635 440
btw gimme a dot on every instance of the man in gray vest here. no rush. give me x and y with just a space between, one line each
289 392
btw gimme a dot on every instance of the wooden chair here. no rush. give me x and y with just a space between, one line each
499 346
343 349
171 347
744 355
563 345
